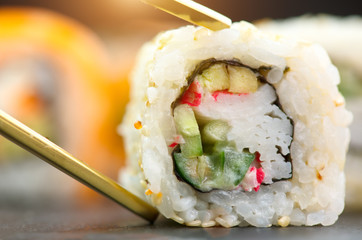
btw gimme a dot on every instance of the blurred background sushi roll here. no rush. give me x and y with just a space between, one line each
342 38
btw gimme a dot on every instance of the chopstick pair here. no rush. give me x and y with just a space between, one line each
192 12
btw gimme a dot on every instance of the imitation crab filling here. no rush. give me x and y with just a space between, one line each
232 133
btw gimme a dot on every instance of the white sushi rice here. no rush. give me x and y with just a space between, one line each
307 94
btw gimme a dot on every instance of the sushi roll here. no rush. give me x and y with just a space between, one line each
342 38
236 128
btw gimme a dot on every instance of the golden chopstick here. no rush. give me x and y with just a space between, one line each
59 158
192 12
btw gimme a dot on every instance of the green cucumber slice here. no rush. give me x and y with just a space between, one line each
215 131
222 170
192 147
236 165
187 169
185 121
187 126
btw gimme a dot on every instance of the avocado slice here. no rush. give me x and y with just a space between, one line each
215 78
242 80
235 79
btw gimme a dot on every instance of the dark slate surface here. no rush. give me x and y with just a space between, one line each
113 222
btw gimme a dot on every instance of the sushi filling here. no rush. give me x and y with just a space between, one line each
215 117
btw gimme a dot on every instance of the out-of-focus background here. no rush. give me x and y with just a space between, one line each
64 67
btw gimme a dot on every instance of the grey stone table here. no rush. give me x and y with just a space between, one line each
110 221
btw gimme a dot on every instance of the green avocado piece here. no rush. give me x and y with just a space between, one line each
215 78
242 80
